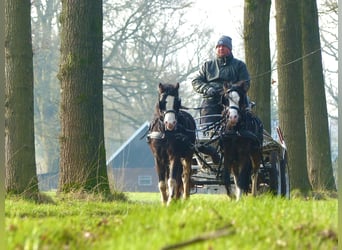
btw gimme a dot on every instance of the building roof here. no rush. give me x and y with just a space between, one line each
134 153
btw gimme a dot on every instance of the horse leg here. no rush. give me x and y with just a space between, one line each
238 191
162 190
226 179
162 186
172 189
254 182
161 171
236 173
173 181
186 177
226 171
178 178
256 160
242 176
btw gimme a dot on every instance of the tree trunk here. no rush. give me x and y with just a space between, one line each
83 157
258 59
3 242
21 177
316 116
290 90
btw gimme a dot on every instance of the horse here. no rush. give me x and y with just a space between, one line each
171 138
241 141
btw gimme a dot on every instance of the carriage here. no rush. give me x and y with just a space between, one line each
273 176
179 143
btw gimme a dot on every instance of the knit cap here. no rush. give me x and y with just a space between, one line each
226 41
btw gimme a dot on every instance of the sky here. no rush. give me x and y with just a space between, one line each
226 17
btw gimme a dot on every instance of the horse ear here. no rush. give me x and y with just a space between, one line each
160 87
225 86
177 85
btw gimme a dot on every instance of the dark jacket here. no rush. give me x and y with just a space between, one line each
215 72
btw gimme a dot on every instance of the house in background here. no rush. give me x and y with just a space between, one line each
131 167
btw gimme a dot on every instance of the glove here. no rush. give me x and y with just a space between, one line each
211 91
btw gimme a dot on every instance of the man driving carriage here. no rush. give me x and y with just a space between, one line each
214 73
209 82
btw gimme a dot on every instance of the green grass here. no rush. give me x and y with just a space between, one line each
202 222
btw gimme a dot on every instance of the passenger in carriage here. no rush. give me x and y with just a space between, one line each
212 75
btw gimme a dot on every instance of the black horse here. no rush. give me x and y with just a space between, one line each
241 141
171 138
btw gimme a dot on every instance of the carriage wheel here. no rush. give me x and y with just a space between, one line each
273 176
285 177
279 178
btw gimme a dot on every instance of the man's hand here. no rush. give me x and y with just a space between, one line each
211 92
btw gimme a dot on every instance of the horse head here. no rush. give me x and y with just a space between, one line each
233 100
169 104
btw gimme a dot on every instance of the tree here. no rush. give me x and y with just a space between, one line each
45 39
316 117
82 148
21 177
328 21
3 242
290 90
258 59
140 49
153 42
329 43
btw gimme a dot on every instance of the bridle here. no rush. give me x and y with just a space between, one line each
231 102
166 106
169 105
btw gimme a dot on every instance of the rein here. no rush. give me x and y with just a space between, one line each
200 108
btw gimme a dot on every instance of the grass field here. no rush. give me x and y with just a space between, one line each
202 222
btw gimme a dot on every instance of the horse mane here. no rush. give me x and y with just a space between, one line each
157 113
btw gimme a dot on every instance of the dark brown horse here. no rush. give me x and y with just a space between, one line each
171 139
241 140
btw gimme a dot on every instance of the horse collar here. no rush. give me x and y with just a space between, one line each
156 135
